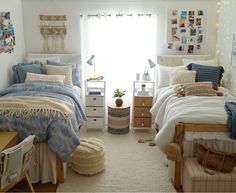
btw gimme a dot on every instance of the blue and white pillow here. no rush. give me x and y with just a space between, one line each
207 73
20 70
76 76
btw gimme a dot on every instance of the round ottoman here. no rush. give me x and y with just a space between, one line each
88 158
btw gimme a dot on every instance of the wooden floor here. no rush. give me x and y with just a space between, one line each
38 187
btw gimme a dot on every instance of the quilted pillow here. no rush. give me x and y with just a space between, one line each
20 70
196 89
31 77
164 74
182 76
75 72
61 70
207 73
211 62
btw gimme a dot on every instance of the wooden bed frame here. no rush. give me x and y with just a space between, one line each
174 150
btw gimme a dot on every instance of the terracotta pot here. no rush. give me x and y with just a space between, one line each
119 102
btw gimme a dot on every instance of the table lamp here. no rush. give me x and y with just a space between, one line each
146 75
91 62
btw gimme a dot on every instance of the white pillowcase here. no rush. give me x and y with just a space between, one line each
61 70
42 59
211 62
182 76
33 77
164 74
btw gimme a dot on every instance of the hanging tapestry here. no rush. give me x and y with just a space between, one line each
186 30
7 34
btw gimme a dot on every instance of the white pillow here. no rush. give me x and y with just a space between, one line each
32 77
43 59
61 70
164 74
182 76
211 62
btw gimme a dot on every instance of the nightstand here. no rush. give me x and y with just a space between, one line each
95 103
118 118
143 92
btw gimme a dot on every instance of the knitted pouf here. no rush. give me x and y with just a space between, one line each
88 158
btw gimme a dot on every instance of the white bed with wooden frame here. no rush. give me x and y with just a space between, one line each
174 151
48 167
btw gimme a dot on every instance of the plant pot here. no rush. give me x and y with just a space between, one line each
119 102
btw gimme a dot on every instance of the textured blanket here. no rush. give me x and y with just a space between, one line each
56 131
230 108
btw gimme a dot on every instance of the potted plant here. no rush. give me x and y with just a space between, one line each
118 94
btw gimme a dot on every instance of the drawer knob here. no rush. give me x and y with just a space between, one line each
94 119
94 99
94 109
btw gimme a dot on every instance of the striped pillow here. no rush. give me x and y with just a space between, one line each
207 73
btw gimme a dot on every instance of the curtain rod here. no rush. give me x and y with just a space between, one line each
118 15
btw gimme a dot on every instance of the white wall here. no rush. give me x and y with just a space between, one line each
7 60
73 8
227 27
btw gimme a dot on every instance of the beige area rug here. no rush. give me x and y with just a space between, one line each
130 166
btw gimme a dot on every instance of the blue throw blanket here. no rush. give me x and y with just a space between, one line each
60 135
230 108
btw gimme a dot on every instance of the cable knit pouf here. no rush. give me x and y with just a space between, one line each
88 158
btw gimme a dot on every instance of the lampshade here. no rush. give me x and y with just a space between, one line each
91 62
151 63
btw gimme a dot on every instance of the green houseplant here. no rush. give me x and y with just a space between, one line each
118 94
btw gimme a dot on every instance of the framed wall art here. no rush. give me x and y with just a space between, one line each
186 30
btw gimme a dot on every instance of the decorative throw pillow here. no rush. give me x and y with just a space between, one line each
31 77
182 76
43 59
196 89
164 74
211 62
61 70
207 73
20 70
76 76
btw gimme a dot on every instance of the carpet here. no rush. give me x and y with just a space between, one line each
130 166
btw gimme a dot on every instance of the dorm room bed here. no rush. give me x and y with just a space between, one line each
52 111
175 116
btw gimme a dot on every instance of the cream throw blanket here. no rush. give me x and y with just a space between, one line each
31 106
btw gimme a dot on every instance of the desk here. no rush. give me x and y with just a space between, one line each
7 140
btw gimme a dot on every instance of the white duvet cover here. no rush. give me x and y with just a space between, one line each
169 109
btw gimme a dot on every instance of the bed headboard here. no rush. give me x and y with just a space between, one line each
176 60
63 57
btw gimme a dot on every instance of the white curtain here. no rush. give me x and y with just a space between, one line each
121 44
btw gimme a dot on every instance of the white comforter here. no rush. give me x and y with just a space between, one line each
169 109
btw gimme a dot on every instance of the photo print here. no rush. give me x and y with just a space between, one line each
174 21
193 32
191 15
200 13
174 13
184 14
192 39
174 30
198 46
190 49
175 38
170 45
180 48
199 38
183 31
199 21
184 40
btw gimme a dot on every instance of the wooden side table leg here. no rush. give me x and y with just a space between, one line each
29 183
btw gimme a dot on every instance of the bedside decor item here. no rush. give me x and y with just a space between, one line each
118 94
52 27
146 75
91 62
143 87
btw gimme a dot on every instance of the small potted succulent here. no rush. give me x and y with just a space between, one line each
118 94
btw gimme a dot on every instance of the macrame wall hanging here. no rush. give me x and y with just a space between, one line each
53 29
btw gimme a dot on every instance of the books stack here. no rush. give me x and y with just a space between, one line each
95 91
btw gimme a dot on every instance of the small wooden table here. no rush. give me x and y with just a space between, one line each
7 140
118 118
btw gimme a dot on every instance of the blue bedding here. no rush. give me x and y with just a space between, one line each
230 108
60 135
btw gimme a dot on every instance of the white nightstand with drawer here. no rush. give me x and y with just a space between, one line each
95 103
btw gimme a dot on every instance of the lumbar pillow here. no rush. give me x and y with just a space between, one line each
43 59
20 70
61 70
31 77
207 73
75 71
164 74
182 76
211 62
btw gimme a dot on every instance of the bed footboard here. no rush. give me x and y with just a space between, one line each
174 150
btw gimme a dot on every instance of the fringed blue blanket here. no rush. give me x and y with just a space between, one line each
56 131
230 108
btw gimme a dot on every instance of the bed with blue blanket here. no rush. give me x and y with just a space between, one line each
51 125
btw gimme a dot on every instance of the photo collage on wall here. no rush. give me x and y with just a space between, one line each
186 30
7 33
